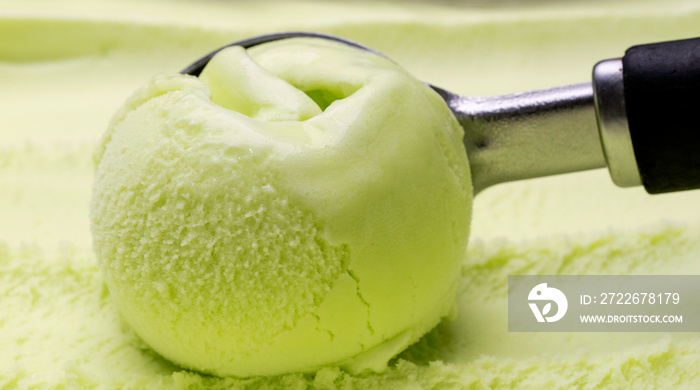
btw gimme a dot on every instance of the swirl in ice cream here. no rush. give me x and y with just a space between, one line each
301 204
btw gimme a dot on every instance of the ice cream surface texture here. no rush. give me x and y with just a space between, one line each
70 64
302 204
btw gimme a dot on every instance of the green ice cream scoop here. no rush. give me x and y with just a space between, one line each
300 204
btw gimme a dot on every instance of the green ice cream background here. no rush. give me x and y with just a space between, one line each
67 67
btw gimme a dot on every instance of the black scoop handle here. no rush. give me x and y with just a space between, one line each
662 98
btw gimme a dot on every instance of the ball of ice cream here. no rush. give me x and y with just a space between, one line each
300 204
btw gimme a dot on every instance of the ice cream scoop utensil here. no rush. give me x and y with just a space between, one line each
637 118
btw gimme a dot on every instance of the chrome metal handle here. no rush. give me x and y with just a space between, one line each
528 135
614 129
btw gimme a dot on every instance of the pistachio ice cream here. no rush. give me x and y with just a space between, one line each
300 204
70 65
